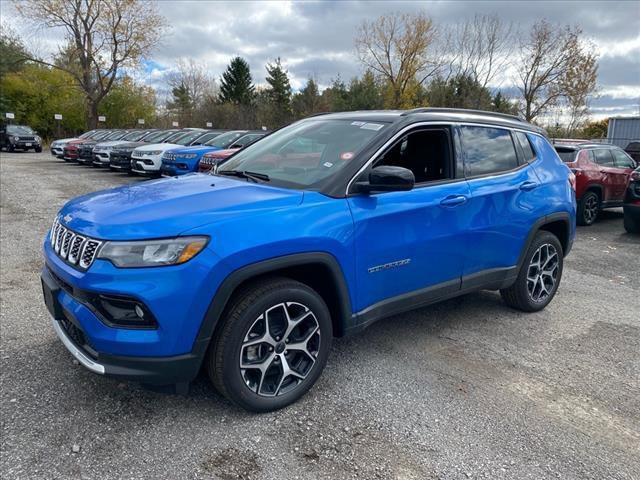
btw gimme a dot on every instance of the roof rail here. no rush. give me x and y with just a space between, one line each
460 110
318 114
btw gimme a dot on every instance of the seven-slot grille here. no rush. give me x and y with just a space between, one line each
72 247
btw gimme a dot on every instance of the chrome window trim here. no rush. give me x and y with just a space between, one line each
434 123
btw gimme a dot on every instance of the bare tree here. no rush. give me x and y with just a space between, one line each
194 76
578 85
547 57
397 48
102 37
480 48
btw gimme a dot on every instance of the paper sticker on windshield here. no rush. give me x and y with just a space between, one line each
346 156
372 126
328 164
357 124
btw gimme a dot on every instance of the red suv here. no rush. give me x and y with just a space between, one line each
602 175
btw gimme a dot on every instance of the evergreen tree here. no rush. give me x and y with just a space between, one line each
278 93
336 97
364 93
182 103
236 84
502 104
307 101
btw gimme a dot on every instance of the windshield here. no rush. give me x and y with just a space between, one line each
246 140
88 134
102 135
19 130
134 136
114 135
566 154
305 153
207 137
188 137
226 139
158 136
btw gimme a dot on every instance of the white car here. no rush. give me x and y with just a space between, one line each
57 146
102 150
147 160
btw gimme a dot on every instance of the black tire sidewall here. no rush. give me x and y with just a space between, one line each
541 238
232 377
581 219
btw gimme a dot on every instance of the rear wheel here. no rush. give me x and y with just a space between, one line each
272 346
539 275
588 208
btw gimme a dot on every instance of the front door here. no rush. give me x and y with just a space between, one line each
410 246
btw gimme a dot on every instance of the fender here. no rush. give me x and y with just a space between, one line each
225 291
541 222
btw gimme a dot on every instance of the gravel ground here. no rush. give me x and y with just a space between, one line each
464 389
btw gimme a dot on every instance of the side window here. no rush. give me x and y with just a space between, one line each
603 157
525 145
487 150
427 153
622 160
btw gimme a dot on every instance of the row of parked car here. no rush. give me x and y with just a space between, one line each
605 178
155 152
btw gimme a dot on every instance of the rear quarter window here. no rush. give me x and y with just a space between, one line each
487 150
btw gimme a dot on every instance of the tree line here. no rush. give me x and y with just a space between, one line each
481 63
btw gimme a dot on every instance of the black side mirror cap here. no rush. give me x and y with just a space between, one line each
387 178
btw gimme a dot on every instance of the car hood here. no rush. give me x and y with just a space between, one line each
158 146
63 140
169 207
129 145
198 149
110 143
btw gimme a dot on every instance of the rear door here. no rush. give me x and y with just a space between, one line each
614 179
505 200
625 164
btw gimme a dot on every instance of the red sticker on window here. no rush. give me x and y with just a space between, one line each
346 156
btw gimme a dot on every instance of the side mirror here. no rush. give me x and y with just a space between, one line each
386 178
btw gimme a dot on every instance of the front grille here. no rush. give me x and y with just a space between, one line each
169 157
71 247
27 139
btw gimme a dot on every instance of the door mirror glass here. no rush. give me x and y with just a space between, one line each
387 178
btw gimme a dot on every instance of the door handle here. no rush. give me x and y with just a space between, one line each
526 186
453 200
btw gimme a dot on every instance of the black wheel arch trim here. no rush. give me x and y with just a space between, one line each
273 265
537 226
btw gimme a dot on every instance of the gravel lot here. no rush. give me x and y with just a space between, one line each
464 389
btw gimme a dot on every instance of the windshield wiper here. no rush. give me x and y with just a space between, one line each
255 176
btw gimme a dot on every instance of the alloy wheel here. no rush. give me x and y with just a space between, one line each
542 274
280 349
590 209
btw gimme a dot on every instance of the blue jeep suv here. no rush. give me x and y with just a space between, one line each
315 232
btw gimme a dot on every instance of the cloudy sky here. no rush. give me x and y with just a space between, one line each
315 39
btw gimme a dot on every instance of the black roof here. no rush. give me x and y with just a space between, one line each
436 114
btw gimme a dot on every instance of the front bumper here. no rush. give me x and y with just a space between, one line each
147 164
120 161
171 353
21 145
175 169
101 159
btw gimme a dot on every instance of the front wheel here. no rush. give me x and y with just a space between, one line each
272 346
539 276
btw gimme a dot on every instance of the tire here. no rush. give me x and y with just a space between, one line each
250 388
38 150
531 295
588 208
631 224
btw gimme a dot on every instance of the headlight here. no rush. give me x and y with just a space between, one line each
38 139
152 253
151 152
186 155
